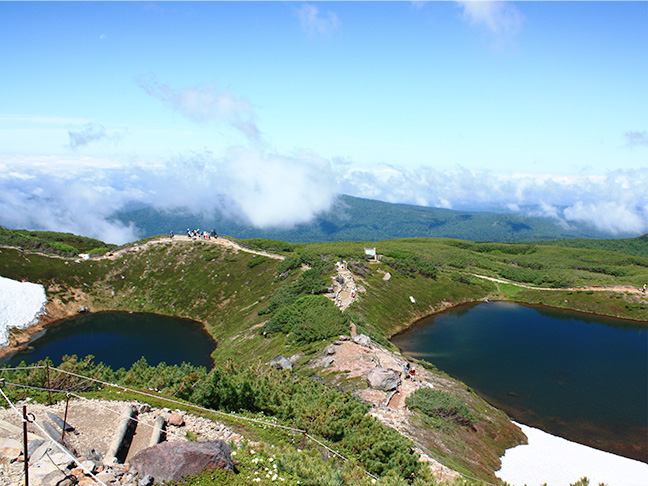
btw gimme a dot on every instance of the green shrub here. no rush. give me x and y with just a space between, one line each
309 319
289 264
256 260
440 404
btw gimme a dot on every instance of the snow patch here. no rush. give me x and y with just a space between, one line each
559 462
21 303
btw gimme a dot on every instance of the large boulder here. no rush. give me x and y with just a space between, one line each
281 363
383 379
171 461
362 340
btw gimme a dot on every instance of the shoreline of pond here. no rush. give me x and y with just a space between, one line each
524 415
22 339
447 306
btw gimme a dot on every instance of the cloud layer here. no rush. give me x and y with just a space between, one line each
268 189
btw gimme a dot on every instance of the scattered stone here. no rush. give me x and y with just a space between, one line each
144 408
176 419
329 350
362 340
89 465
145 481
108 478
83 309
387 277
57 478
10 449
383 379
343 338
327 362
171 461
281 363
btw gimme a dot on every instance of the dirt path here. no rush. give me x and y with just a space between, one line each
181 239
596 288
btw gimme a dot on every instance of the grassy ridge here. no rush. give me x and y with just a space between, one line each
631 246
64 244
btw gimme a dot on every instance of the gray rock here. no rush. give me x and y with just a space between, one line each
34 445
46 447
108 478
281 363
57 478
294 358
171 461
329 350
328 361
176 419
387 277
144 408
145 481
362 340
10 449
383 379
89 465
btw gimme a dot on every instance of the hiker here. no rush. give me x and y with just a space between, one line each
644 289
171 234
406 371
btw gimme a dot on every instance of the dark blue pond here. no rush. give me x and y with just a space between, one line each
119 339
584 378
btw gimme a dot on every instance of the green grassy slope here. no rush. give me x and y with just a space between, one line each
234 294
65 244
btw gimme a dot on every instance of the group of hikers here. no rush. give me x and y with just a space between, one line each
197 233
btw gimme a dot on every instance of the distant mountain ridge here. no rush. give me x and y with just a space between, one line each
356 219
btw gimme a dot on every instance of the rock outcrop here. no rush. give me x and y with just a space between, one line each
171 461
383 379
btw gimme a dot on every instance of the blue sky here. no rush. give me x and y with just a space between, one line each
536 107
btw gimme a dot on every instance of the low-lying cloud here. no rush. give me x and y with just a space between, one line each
254 186
267 189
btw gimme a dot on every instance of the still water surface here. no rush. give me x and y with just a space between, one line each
119 339
581 377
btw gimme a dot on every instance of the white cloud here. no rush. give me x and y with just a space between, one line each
91 132
205 103
636 138
610 216
593 199
263 188
315 23
498 17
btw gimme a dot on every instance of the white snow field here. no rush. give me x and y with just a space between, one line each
21 303
559 462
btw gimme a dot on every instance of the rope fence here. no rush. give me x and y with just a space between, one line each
157 397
